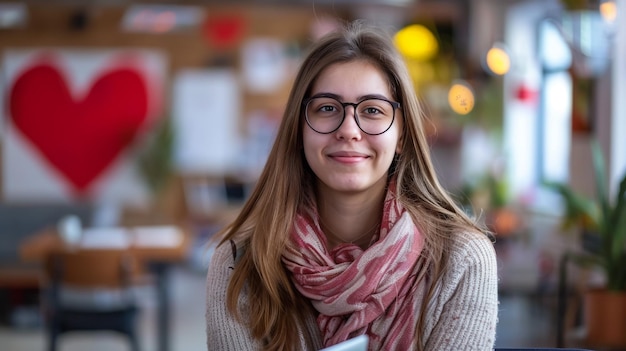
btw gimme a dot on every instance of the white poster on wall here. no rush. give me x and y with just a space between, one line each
206 115
265 65
71 120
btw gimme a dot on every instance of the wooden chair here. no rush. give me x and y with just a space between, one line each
91 290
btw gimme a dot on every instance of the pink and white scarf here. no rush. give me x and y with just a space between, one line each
358 292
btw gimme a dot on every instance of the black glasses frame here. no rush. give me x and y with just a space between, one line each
394 105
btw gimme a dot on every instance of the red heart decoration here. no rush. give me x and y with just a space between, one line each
79 137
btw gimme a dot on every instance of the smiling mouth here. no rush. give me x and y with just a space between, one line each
348 157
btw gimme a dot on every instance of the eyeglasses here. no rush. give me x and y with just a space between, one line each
325 114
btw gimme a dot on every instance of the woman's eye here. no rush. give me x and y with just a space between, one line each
371 111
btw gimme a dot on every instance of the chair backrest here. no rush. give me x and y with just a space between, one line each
92 268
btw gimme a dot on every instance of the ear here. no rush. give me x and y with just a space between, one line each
399 147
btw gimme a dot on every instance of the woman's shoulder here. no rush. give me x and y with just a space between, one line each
471 246
219 272
471 264
225 254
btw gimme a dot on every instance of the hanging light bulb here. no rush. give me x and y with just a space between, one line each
498 60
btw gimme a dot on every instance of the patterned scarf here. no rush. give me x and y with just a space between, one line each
360 292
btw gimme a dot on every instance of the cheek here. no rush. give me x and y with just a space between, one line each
390 148
392 142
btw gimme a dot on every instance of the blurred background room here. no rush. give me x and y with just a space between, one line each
138 127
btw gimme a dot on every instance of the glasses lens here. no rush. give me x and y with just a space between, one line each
374 115
324 114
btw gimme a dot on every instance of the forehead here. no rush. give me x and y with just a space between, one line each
352 79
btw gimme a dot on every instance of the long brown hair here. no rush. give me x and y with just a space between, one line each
276 310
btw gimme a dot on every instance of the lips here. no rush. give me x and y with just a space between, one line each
348 156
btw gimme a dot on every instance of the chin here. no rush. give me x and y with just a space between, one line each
355 182
350 186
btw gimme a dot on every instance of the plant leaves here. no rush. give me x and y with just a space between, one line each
579 210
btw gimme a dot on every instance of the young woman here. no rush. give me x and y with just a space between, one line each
348 230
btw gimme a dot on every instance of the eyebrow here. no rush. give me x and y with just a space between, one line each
360 98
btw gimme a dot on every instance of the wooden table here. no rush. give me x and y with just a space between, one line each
158 248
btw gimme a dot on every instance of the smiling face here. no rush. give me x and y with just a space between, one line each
349 160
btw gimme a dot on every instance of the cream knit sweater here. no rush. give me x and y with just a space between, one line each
461 316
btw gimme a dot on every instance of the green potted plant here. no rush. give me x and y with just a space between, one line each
602 221
155 159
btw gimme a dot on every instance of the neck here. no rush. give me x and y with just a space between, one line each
363 239
350 219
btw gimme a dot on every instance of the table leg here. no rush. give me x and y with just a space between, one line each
163 308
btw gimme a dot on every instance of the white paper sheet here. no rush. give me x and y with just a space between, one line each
157 236
105 238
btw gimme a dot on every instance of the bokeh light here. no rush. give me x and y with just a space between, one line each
416 42
498 60
608 10
461 98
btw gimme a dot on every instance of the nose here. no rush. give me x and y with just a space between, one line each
349 129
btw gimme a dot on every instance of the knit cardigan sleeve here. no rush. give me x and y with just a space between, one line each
464 313
223 331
